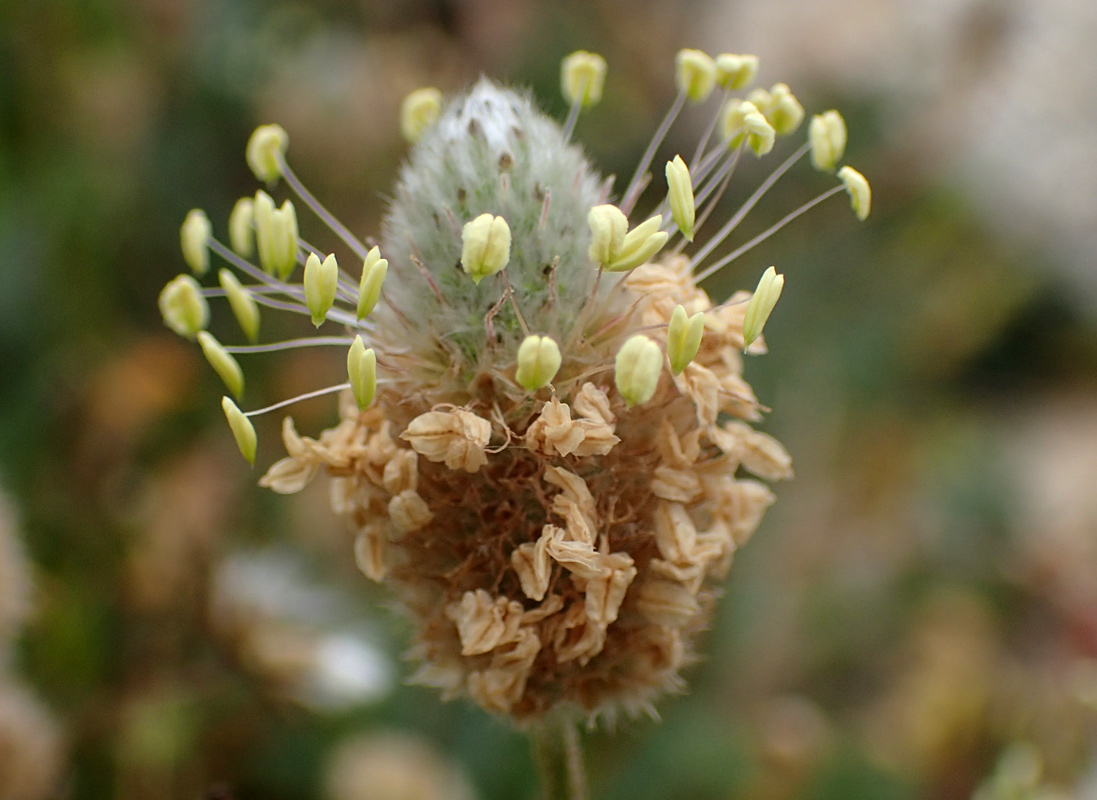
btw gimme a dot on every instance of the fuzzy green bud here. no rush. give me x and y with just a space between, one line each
183 307
761 305
223 363
275 235
374 270
321 282
736 71
683 338
485 246
637 368
582 78
266 147
241 230
243 305
242 429
680 196
362 371
827 136
860 193
194 237
538 362
695 74
419 111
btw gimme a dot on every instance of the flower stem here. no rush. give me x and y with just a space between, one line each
559 757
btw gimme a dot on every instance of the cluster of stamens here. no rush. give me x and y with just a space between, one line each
538 450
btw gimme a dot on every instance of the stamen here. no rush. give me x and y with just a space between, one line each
288 289
632 193
514 302
318 209
290 344
306 396
573 113
767 233
727 171
752 201
701 145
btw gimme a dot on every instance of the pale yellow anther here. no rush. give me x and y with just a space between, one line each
194 236
860 193
760 99
241 227
760 134
321 282
761 304
683 338
419 111
680 196
243 305
733 120
827 137
785 112
265 147
736 71
615 247
608 227
485 246
362 371
275 235
183 307
374 270
538 362
636 371
223 363
582 77
695 74
242 429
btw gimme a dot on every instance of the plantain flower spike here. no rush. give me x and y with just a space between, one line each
362 371
616 248
538 362
636 369
183 307
860 192
683 338
485 246
680 195
736 71
419 111
242 227
827 137
516 557
194 236
761 305
275 235
321 282
242 429
374 270
582 78
243 305
266 147
695 74
223 363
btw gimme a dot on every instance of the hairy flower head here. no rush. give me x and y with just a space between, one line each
544 446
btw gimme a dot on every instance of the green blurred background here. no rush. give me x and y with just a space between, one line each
917 616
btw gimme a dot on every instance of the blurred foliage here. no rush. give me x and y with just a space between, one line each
909 609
